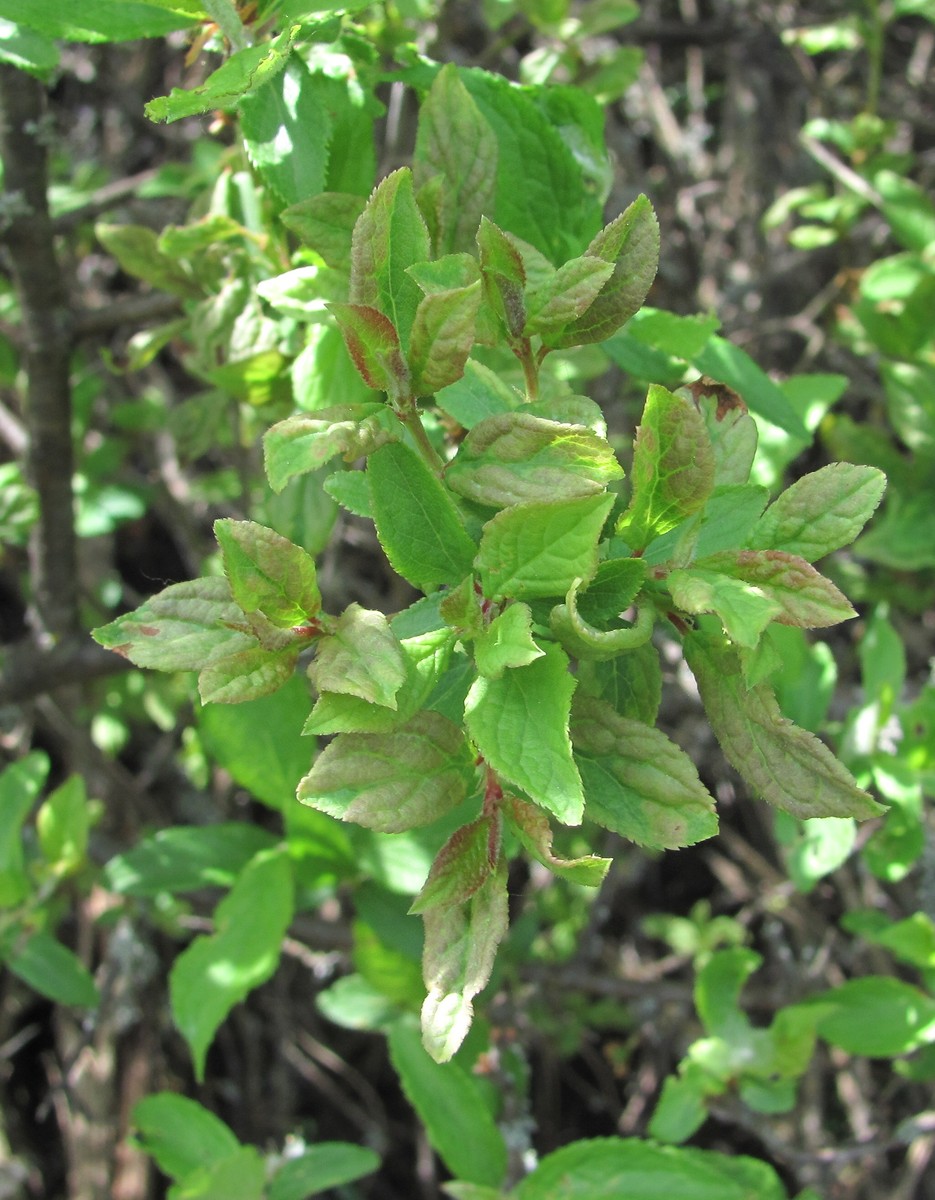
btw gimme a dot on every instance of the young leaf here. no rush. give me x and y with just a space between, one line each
673 468
373 344
454 141
785 765
566 295
516 458
417 522
451 1106
427 657
392 781
246 674
360 657
821 512
301 444
804 597
637 782
461 943
743 608
182 628
442 337
267 573
506 642
720 360
631 244
540 549
389 237
461 867
531 826
504 277
519 724
730 427
218 970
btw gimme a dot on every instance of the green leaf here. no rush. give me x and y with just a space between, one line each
785 765
259 743
390 236
218 970
244 72
742 606
461 867
516 458
506 642
540 549
531 826
631 683
877 1016
821 512
326 223
610 1168
461 943
479 393
187 858
182 628
97 20
301 444
551 152
63 823
631 244
679 336
729 518
566 295
241 1176
729 364
53 970
27 50
417 522
362 657
637 782
454 141
805 598
181 1134
673 468
321 1167
392 781
717 991
519 724
450 1104
267 573
21 784
443 333
286 128
136 248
